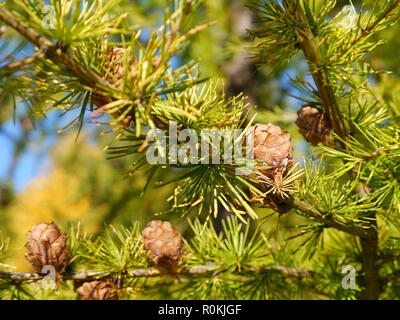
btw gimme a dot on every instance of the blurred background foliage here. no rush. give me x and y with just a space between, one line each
46 175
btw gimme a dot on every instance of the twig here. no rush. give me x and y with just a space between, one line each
308 209
50 49
390 277
201 270
16 65
377 153
367 30
369 233
307 44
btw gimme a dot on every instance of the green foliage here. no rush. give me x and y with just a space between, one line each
234 249
352 182
139 86
77 244
4 251
278 43
332 197
119 250
69 22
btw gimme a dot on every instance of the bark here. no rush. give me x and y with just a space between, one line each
370 264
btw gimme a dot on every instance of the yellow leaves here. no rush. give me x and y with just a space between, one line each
53 197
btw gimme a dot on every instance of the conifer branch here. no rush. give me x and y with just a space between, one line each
370 251
377 153
307 43
367 30
201 270
303 206
16 65
51 49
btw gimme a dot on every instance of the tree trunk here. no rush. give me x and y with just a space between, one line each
372 288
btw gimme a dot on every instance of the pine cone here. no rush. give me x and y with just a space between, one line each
164 243
313 124
114 74
47 246
273 149
97 290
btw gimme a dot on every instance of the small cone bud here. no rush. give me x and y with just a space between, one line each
273 149
97 290
47 246
313 124
164 243
113 75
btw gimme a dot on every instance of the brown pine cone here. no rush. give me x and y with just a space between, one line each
97 290
164 243
272 148
313 124
47 246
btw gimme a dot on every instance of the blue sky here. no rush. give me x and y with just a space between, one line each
35 156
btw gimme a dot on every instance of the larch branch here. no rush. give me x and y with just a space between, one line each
201 270
329 221
307 44
51 49
367 30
